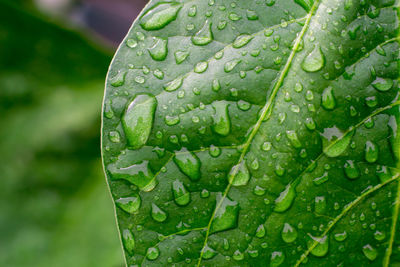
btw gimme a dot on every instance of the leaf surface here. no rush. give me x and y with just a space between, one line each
269 134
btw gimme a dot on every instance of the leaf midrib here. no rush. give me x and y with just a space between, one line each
266 112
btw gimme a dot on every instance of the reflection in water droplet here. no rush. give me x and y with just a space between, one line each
128 240
319 246
129 204
289 234
226 216
238 255
160 15
158 214
222 122
370 252
239 174
188 163
181 194
204 36
159 50
340 236
285 199
138 120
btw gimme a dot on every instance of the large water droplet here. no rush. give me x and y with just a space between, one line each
382 84
158 214
230 65
152 253
294 140
188 163
119 79
181 194
226 216
277 258
314 61
351 170
138 120
222 122
201 67
128 240
289 234
370 252
242 40
204 36
335 142
328 100
174 85
208 252
160 15
138 174
238 255
371 152
180 56
260 232
239 174
129 204
340 237
321 245
159 50
285 199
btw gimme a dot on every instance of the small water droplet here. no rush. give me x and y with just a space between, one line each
340 237
152 253
335 142
370 252
320 204
251 15
321 245
180 56
314 61
378 235
371 152
328 100
293 138
351 170
208 252
188 163
174 85
129 204
289 234
277 258
382 84
266 146
119 79
128 240
201 67
159 50
158 214
230 65
242 40
160 15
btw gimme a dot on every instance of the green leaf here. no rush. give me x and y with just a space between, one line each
277 130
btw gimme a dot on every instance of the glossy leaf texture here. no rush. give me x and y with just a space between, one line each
256 133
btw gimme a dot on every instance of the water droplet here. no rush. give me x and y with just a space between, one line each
239 174
279 170
174 85
306 4
226 216
251 15
160 15
138 174
204 36
208 252
158 214
260 232
192 11
222 122
159 50
230 65
138 120
382 84
334 142
152 253
328 100
158 74
238 256
321 245
129 204
128 240
310 124
289 234
171 120
320 204
216 86
131 43
204 193
285 199
370 252
294 140
321 179
340 236
234 17
383 173
201 67
351 170
181 194
188 163
243 105
180 56
114 137
314 61
277 258
119 79
242 40
378 235
266 146
371 152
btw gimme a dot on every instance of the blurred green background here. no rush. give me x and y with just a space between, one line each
55 208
